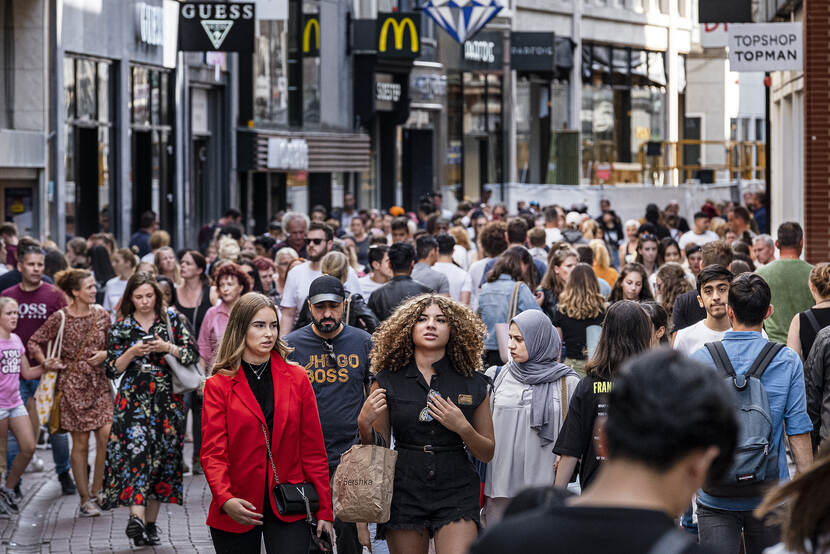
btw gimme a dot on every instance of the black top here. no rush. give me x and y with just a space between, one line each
199 311
339 384
806 333
573 333
580 530
384 300
406 396
576 438
686 311
263 389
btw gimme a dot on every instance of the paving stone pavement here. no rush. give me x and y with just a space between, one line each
49 523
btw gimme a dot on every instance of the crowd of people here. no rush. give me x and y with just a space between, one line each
511 358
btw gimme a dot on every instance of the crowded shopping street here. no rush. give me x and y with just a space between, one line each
415 276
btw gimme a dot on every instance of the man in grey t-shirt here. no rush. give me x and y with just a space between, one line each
427 250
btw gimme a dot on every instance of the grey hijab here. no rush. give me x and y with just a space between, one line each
541 370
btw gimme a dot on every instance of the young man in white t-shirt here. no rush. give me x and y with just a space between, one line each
712 293
461 284
381 272
699 234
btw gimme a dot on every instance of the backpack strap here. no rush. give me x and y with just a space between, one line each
720 357
811 317
765 357
672 541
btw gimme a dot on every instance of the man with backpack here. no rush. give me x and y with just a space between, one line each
768 381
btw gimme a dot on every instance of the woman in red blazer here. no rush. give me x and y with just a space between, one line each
253 386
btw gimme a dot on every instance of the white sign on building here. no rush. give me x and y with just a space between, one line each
272 10
286 153
766 47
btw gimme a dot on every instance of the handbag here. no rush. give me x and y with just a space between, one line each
292 498
45 393
363 484
186 378
503 329
55 411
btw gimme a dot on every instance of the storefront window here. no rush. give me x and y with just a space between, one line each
270 82
85 89
69 86
141 96
623 106
103 91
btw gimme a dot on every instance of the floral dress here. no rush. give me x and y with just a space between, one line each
86 404
144 454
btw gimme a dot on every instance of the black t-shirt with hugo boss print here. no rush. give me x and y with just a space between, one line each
339 382
589 401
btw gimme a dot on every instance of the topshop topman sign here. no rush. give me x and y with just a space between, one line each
765 47
205 27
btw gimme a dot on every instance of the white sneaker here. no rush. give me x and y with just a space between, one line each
35 465
89 509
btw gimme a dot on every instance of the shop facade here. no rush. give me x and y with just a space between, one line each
114 152
296 143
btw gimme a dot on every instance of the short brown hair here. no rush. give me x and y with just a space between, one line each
537 237
718 252
70 279
492 238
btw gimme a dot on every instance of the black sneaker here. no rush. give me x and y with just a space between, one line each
136 531
18 494
67 485
7 500
152 533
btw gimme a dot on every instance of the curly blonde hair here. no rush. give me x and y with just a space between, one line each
392 346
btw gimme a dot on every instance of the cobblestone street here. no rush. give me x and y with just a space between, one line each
49 522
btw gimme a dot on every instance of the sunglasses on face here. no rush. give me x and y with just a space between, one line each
316 242
328 349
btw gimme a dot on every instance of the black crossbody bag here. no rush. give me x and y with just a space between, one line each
292 498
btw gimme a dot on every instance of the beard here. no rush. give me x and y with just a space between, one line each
316 257
327 325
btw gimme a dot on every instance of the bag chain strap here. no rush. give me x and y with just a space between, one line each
309 517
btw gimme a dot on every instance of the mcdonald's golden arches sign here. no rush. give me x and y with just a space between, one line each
311 35
399 35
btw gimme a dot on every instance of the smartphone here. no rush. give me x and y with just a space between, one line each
148 338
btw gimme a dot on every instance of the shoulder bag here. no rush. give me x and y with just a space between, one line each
45 393
503 329
55 411
292 498
186 378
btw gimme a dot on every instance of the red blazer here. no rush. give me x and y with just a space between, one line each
233 453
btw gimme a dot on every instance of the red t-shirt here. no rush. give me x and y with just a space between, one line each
34 307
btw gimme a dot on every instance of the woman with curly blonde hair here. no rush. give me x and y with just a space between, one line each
430 394
581 305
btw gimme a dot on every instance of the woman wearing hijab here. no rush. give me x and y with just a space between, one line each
529 403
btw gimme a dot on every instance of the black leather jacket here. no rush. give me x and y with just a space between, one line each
360 315
385 299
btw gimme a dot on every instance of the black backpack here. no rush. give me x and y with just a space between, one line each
754 466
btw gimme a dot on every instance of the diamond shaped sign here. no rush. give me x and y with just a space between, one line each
462 18
217 30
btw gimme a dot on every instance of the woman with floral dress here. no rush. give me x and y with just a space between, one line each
144 454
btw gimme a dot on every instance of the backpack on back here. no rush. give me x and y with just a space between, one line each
754 466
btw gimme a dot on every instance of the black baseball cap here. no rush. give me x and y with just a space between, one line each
326 289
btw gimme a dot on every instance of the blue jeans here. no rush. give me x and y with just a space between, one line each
60 443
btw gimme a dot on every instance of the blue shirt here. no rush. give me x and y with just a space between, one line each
784 383
494 305
540 266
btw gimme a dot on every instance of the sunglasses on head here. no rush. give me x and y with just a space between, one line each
648 237
316 242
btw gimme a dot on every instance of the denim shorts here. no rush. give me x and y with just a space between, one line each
28 388
13 412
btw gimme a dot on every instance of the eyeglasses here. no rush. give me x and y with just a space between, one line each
328 349
425 416
316 242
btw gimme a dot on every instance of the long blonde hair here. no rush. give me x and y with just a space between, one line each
601 258
581 298
232 346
